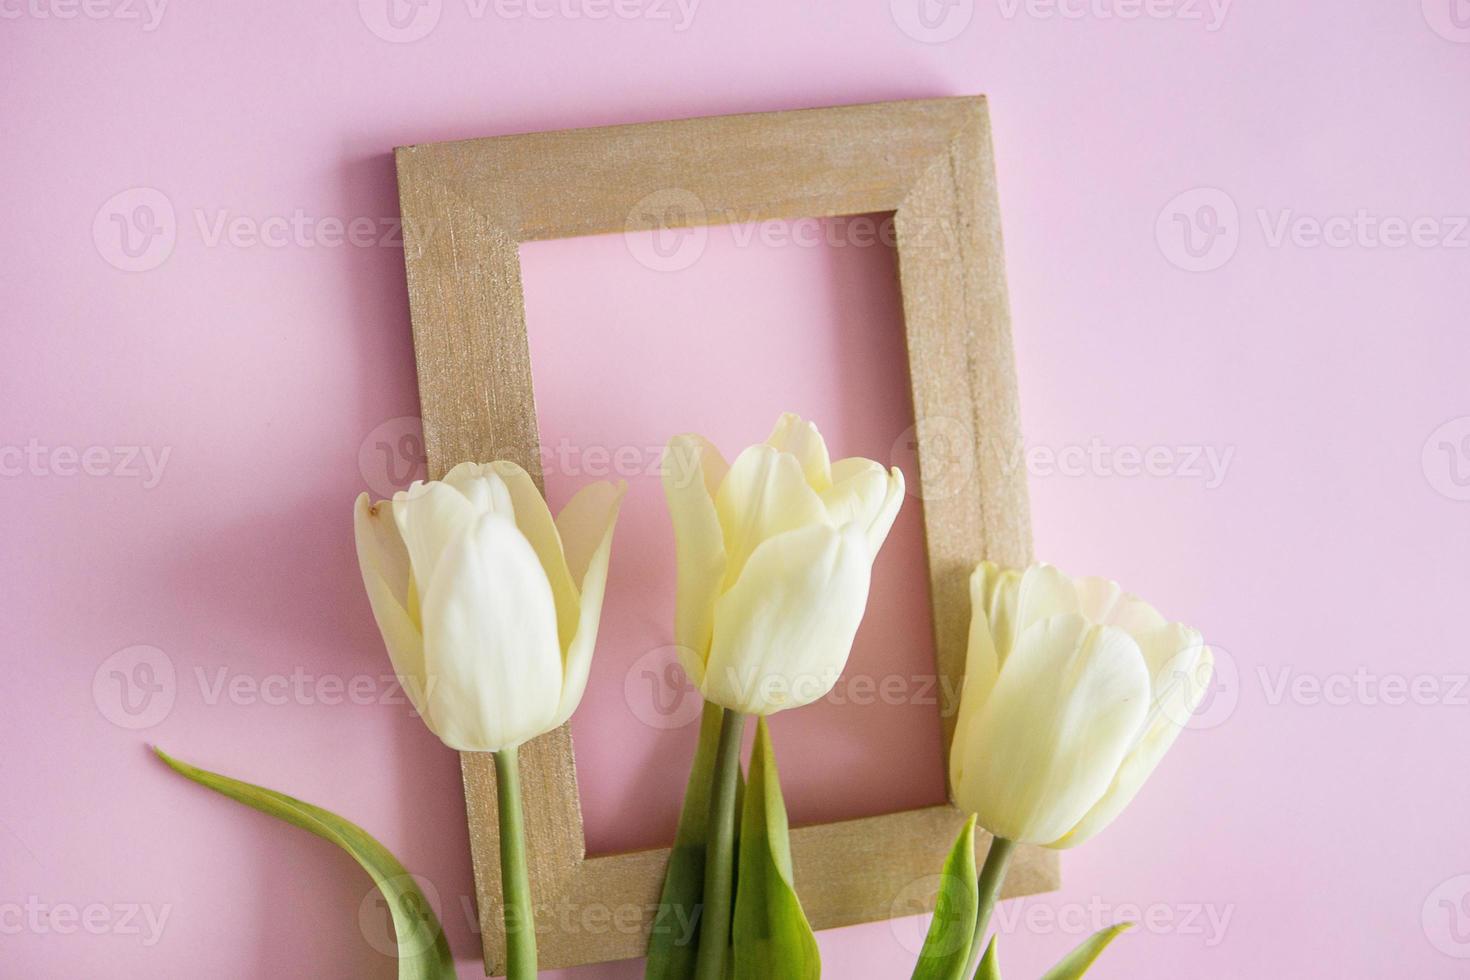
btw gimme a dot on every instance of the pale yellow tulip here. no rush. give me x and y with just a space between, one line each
775 554
489 608
1073 692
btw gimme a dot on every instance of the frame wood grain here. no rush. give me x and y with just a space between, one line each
468 205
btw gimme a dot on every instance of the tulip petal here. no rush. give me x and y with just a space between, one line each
1179 685
864 493
765 494
383 561
586 526
483 485
892 500
783 633
429 517
692 472
857 491
1067 705
800 438
1104 601
1045 592
491 651
380 546
533 518
982 663
1000 595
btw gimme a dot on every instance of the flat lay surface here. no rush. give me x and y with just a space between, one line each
1236 241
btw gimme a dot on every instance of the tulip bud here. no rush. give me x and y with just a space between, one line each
775 554
1074 690
489 608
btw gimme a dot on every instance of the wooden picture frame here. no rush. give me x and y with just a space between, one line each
468 205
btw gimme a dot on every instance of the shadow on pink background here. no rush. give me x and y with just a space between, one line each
1303 395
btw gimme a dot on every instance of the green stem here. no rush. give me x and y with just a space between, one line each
719 857
992 874
515 883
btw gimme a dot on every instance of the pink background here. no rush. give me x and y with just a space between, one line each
1310 829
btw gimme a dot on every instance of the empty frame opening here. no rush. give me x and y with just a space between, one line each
717 330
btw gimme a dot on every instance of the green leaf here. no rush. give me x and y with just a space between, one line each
423 952
771 935
946 950
1080 959
989 966
673 943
